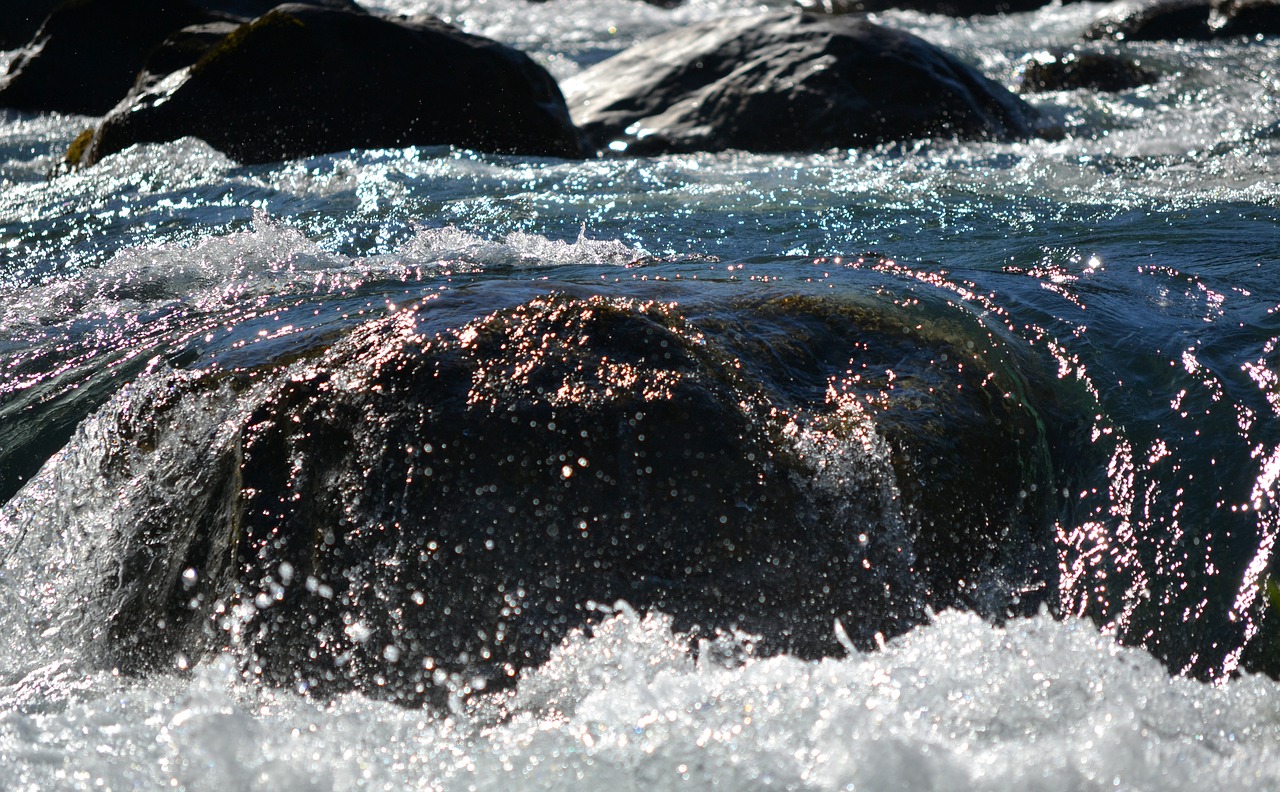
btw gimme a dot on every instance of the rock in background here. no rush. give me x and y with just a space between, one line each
20 19
86 54
303 80
1069 69
787 82
959 8
1192 20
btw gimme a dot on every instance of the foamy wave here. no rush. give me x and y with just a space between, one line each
956 705
216 269
515 249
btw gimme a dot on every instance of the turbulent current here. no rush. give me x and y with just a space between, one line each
935 465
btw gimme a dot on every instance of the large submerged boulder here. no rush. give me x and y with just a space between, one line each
785 81
410 503
302 80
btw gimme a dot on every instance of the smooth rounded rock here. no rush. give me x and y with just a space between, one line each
408 503
180 49
302 80
785 81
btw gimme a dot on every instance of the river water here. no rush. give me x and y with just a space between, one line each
1130 259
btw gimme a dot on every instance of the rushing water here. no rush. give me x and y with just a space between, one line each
1128 261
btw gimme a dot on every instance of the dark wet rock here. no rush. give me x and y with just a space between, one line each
411 502
1232 18
786 81
302 80
1168 20
1070 69
87 54
958 8
182 48
20 19
944 406
251 9
658 3
1163 20
85 57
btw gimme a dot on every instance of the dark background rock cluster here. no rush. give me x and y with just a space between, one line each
262 82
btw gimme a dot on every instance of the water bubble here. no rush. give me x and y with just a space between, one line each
358 631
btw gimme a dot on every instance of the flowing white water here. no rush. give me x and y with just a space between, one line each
956 705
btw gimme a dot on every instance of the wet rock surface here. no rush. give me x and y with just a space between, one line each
958 8
1161 20
302 80
405 505
1192 20
20 19
1232 18
180 49
1070 69
785 81
87 54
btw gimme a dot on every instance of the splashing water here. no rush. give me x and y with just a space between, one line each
1114 283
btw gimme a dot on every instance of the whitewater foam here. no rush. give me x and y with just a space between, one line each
955 705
